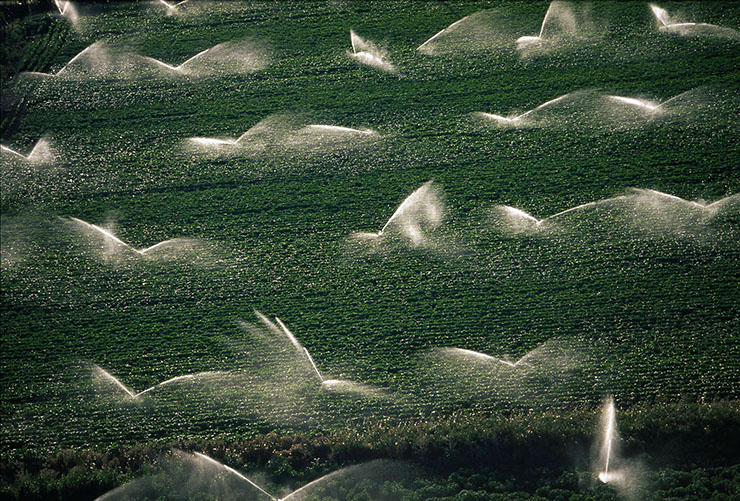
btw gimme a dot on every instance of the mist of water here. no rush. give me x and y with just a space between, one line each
517 220
326 136
102 59
235 57
475 355
331 384
546 376
95 59
280 132
367 475
428 46
15 248
188 9
626 476
689 101
646 209
269 133
594 109
483 31
106 376
515 120
609 437
420 212
194 473
68 10
112 246
232 471
182 475
564 23
656 212
367 53
277 383
172 6
42 152
670 24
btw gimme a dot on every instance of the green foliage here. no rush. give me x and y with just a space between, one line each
531 454
652 309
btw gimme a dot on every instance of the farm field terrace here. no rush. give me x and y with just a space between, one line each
633 297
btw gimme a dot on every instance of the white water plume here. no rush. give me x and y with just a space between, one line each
270 132
278 384
182 475
519 119
105 60
179 68
244 56
592 108
700 104
280 132
172 6
379 470
648 209
107 376
196 474
233 472
322 131
550 374
464 353
668 24
666 198
94 59
219 142
609 438
427 46
337 129
322 136
421 211
367 53
283 329
649 106
115 245
519 220
331 384
483 31
68 10
280 331
564 22
40 153
184 9
626 476
559 21
653 108
658 212
340 385
338 484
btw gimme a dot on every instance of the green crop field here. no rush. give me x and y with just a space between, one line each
411 333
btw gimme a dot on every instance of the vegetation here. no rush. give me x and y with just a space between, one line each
490 455
644 307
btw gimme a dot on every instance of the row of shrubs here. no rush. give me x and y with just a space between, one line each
676 435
